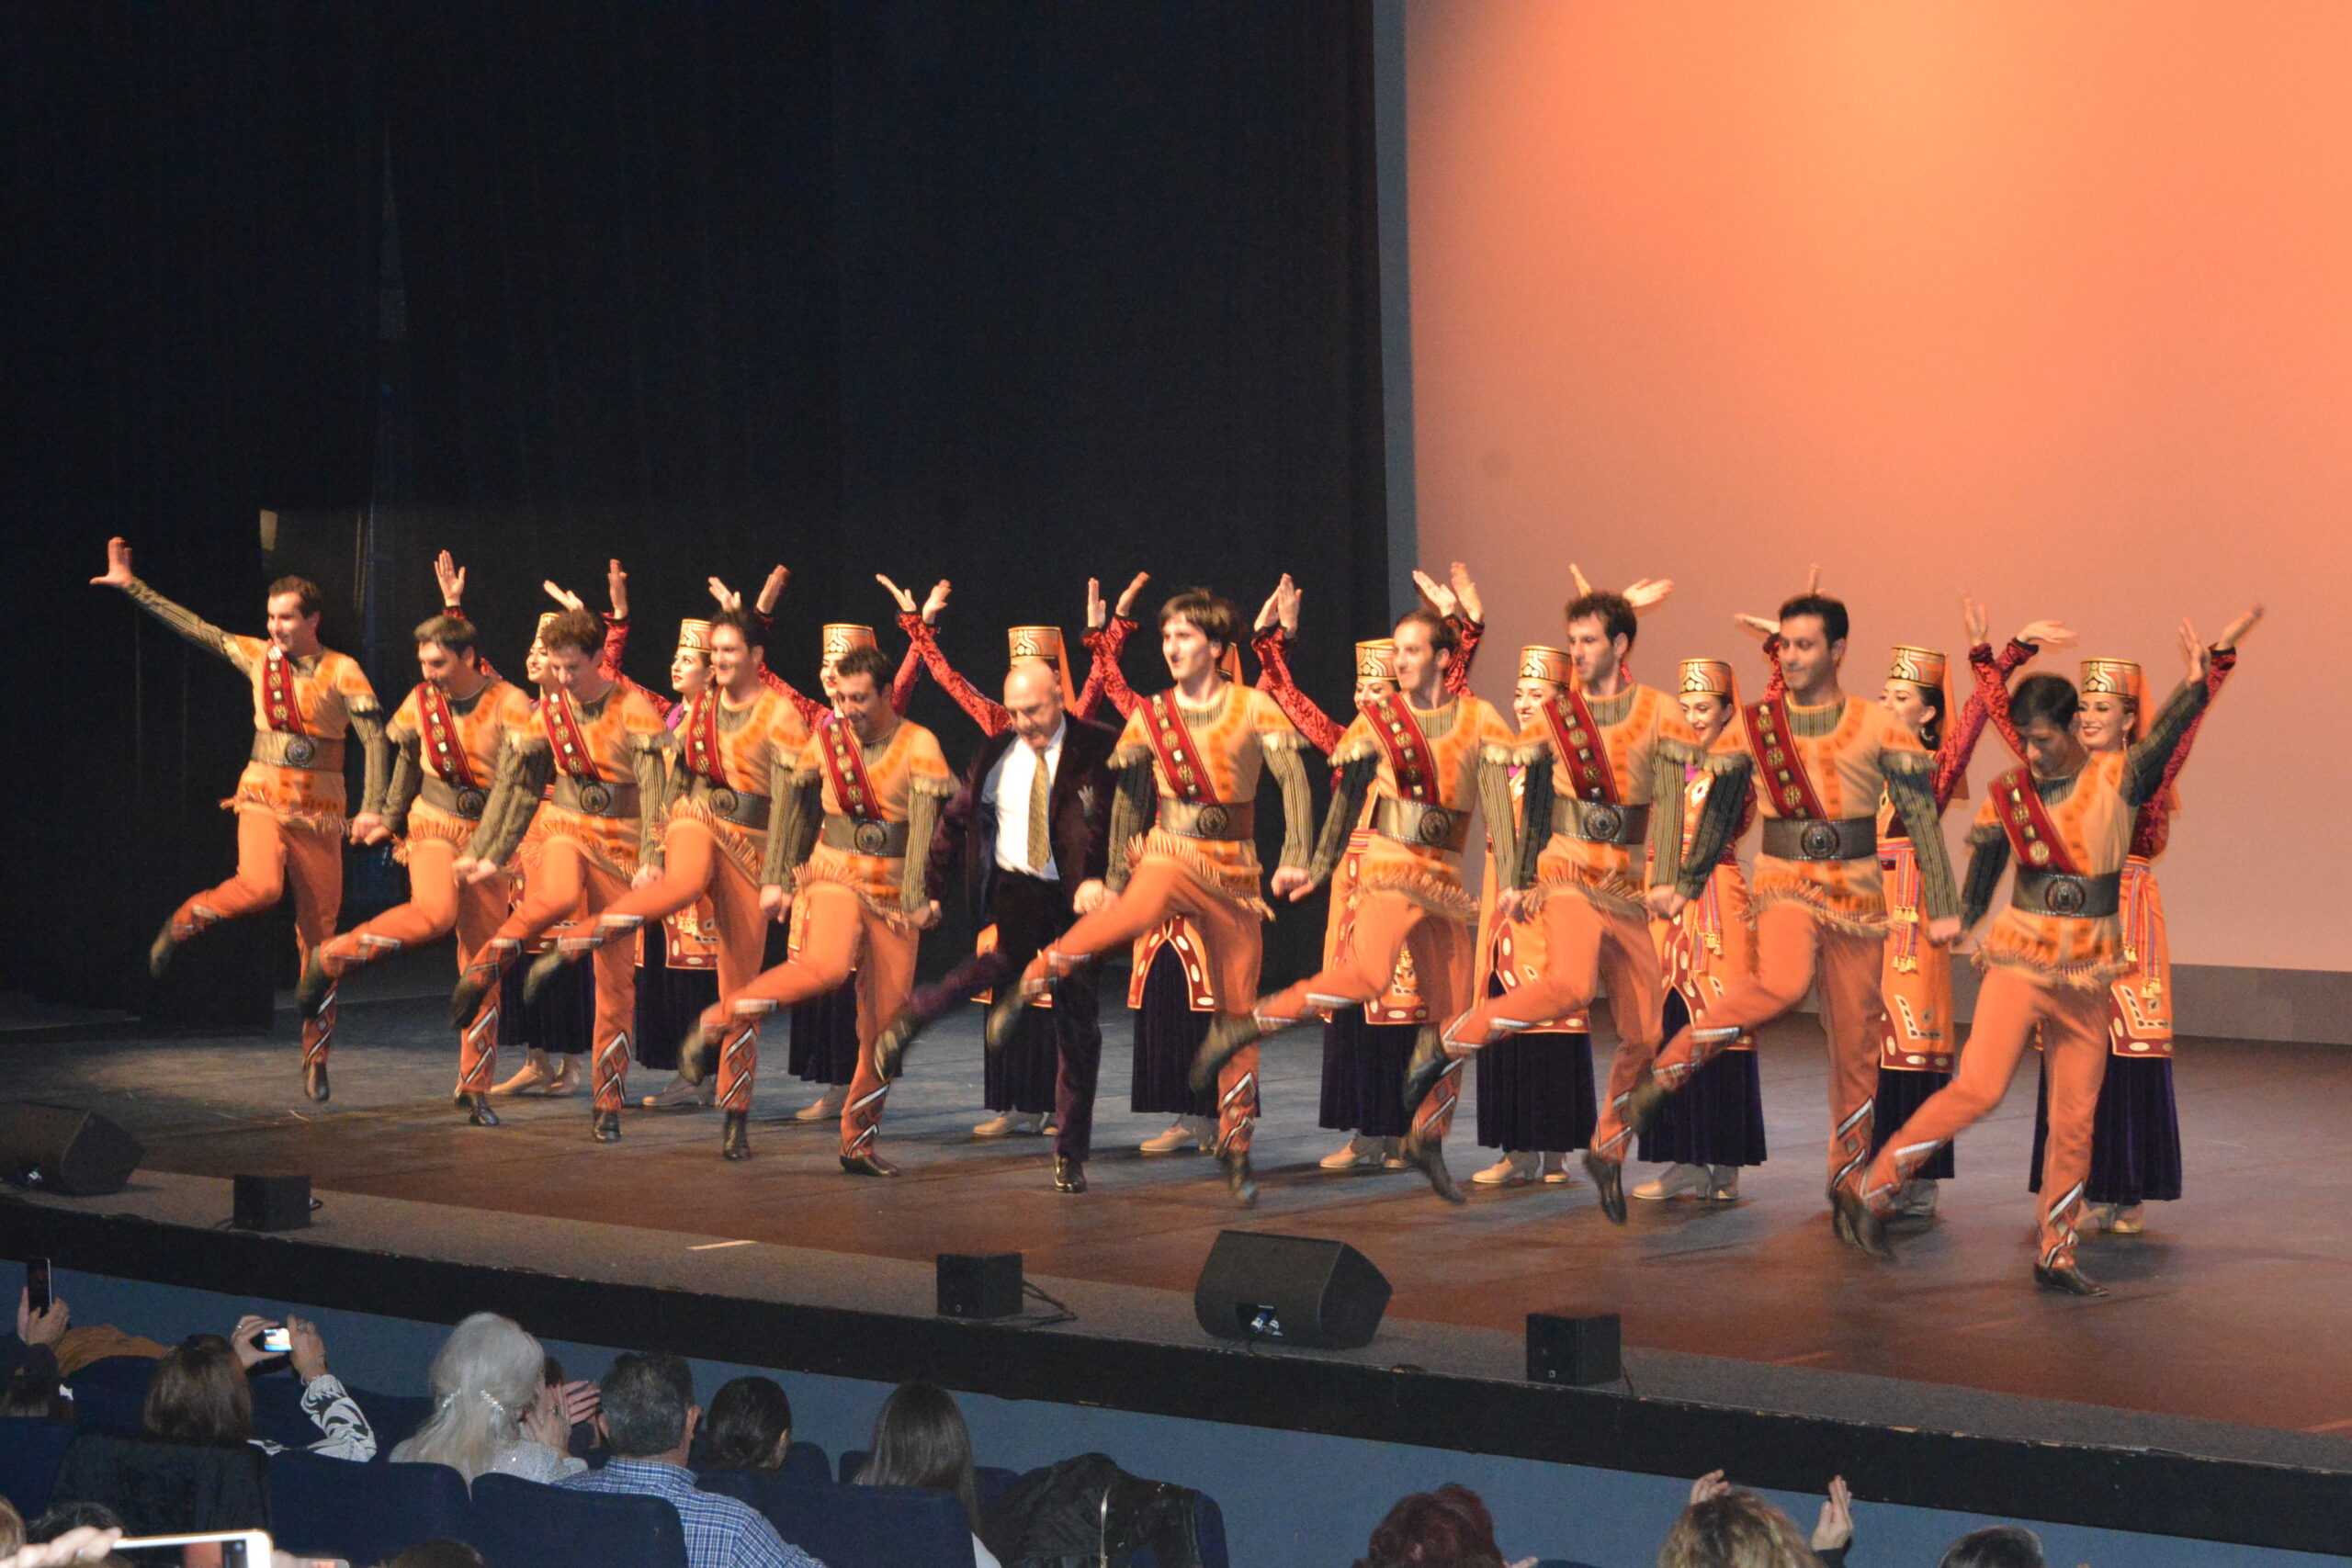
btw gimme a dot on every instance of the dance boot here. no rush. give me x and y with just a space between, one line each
310 994
868 1164
1239 1179
1228 1038
1859 1226
1426 1064
1643 1103
2067 1280
314 1079
543 971
1069 1175
1916 1200
159 951
735 1138
604 1126
1608 1181
478 1110
1427 1157
478 981
891 1046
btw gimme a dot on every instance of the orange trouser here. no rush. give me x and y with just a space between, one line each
693 867
1233 941
1793 945
2075 1049
1583 941
436 905
566 883
271 852
840 933
1388 923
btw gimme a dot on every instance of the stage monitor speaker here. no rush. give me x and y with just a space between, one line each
979 1284
61 1149
1295 1288
1579 1351
270 1202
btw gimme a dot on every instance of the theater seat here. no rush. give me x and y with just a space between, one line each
362 1513
802 1461
524 1524
161 1488
111 1395
1208 1531
30 1452
988 1480
858 1527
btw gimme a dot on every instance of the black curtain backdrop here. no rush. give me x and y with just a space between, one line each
1012 295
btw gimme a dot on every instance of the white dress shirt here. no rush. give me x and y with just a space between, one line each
1007 790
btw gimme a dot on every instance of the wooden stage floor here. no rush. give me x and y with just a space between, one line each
2235 1306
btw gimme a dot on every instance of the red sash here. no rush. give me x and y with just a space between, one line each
1576 741
1786 783
2033 838
1400 734
568 740
444 747
278 695
1181 762
700 733
845 767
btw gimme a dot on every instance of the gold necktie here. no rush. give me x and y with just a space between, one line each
1041 841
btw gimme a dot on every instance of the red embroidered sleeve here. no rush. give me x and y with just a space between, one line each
923 642
902 686
2152 828
1466 633
608 664
1106 658
1274 679
1775 683
1993 686
1106 648
1962 734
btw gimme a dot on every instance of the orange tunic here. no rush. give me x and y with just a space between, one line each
1511 952
1711 946
328 689
1229 739
1458 733
1846 751
481 725
1639 731
2094 820
754 743
619 728
907 764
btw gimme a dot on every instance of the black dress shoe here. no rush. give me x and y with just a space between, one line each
1070 1176
1427 1157
604 1126
735 1138
542 973
314 1081
317 986
2067 1279
868 1164
1608 1181
1860 1224
478 1110
1239 1179
465 1001
1229 1036
1427 1066
891 1046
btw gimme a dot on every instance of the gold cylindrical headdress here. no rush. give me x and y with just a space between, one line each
539 634
1707 677
1537 662
2120 678
693 635
1376 660
1046 643
1920 666
840 636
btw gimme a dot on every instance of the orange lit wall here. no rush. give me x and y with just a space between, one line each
2047 302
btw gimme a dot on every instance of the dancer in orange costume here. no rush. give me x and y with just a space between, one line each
446 738
1822 760
1189 763
738 734
856 810
290 800
605 749
2053 954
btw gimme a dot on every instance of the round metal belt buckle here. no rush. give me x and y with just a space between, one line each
300 751
1819 840
1437 826
470 802
1211 822
871 837
2067 896
726 802
595 798
1604 822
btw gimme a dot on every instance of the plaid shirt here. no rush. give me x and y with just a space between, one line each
720 1531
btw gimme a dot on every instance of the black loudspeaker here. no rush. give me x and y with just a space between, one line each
61 1149
1291 1288
1576 1350
270 1202
979 1284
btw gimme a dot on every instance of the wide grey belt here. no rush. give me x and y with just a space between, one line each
467 802
743 810
865 836
1420 825
283 749
1598 822
1234 823
1821 838
2073 897
595 797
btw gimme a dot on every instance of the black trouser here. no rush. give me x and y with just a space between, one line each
1029 914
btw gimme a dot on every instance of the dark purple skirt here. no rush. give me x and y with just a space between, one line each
1363 1076
1901 1092
824 1036
559 1021
1718 1117
1168 1034
1019 1077
2135 1135
1535 1093
669 1001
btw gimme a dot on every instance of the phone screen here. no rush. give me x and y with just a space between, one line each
37 1285
277 1341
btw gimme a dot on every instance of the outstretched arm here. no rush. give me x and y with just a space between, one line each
185 622
1105 639
923 641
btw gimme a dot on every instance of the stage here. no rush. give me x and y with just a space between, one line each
2211 1395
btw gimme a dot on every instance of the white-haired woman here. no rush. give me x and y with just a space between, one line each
495 1409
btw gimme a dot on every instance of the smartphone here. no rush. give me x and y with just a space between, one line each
276 1340
225 1549
37 1285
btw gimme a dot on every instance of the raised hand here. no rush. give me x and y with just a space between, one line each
1812 578
1125 608
1647 593
1578 581
771 590
2048 634
309 1349
1097 614
1976 625
1466 594
729 600
563 597
1266 615
1287 601
2235 632
935 603
1708 1486
245 1340
906 600
452 578
1836 1527
616 589
2195 663
119 573
1441 596
1756 624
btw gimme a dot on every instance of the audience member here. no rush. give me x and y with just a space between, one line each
1449 1527
435 1554
34 1396
64 1518
34 1351
199 1392
1727 1527
76 1546
749 1427
12 1526
649 1418
2003 1546
49 1339
919 1439
493 1409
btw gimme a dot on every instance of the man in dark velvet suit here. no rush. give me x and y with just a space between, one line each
1029 836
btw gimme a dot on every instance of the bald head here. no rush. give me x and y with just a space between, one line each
1033 697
